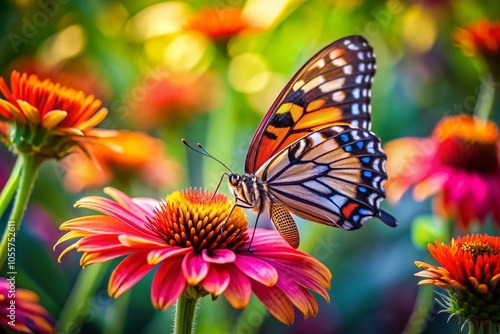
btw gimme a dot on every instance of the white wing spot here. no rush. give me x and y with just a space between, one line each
332 85
298 85
361 67
338 96
338 200
347 41
355 93
335 53
319 64
353 47
361 55
339 62
348 69
355 109
359 79
313 83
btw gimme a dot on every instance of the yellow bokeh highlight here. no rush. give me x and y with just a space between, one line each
419 29
248 73
67 43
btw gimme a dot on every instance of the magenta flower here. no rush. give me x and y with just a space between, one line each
195 251
20 311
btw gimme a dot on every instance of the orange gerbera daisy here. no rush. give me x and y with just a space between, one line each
470 274
198 248
128 155
45 118
20 311
459 163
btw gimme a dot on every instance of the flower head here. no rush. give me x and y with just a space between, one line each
129 154
28 316
459 163
219 23
470 274
480 38
197 250
174 99
45 118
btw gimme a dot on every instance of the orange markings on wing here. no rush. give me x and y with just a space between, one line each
316 104
320 118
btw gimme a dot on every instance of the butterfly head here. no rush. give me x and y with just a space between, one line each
234 180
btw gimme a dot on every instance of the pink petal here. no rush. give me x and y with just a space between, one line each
97 224
128 272
194 268
239 290
220 256
168 284
159 255
275 301
216 280
113 209
129 204
299 296
140 242
257 269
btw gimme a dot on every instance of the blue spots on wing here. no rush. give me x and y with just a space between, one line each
367 173
365 212
360 144
348 148
344 137
362 189
365 160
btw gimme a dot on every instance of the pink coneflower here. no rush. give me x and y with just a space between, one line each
459 164
196 251
26 315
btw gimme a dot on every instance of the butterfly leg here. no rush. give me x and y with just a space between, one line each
218 185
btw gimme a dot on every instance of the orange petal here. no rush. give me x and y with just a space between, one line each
31 113
53 118
94 120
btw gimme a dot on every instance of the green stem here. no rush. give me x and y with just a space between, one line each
418 319
77 306
473 327
184 314
486 328
486 99
30 166
10 187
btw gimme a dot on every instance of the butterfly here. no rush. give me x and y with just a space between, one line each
313 154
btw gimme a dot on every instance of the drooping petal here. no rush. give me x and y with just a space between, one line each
128 273
216 280
239 290
194 267
275 301
168 284
257 269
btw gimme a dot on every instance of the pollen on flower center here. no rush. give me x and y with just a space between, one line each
477 248
468 143
193 218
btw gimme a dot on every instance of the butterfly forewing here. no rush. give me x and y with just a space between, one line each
333 176
334 86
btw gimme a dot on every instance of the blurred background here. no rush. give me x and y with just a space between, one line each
207 71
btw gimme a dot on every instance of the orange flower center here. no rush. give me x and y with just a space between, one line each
193 218
468 143
477 248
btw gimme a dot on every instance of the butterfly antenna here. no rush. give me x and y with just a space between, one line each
204 152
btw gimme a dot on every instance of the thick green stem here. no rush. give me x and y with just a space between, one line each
419 315
76 309
30 166
185 314
10 187
486 99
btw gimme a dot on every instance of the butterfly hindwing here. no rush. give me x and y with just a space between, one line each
332 176
334 86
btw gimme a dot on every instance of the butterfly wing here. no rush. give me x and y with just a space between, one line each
332 176
334 86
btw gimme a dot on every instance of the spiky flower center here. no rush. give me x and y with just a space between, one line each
193 218
468 143
477 248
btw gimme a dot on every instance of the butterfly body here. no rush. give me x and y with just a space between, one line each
314 154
